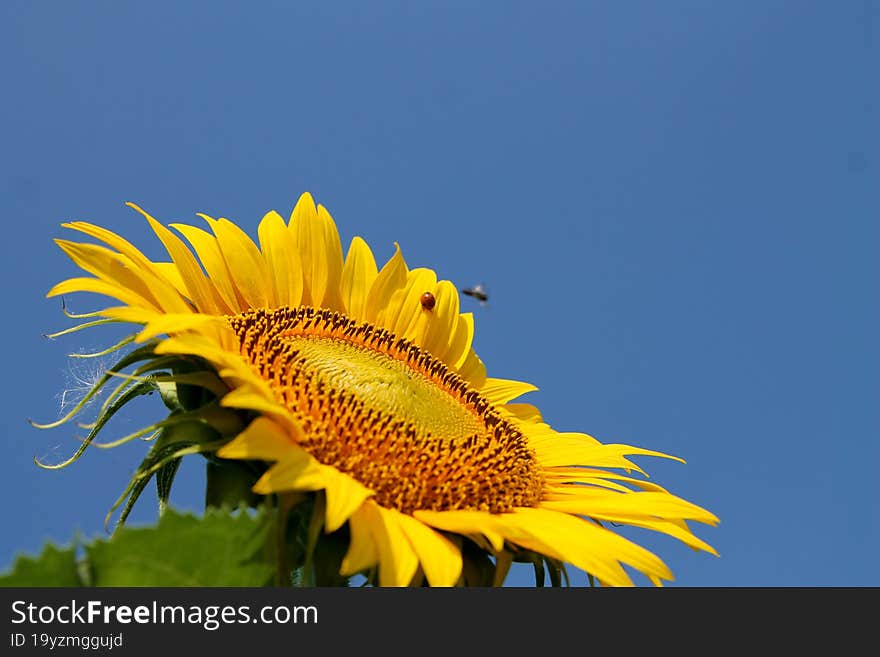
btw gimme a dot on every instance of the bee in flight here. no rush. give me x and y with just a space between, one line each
478 292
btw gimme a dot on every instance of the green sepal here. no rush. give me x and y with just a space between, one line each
503 561
172 438
477 567
554 571
557 569
190 393
139 354
164 480
537 561
229 483
146 387
168 393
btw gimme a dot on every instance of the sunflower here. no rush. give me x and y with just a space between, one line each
357 388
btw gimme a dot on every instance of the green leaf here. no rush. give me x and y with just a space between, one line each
218 549
53 567
221 548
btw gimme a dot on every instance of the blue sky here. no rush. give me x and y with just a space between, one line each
674 206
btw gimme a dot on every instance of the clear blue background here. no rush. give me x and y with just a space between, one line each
674 206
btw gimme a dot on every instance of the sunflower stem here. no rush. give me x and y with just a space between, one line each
285 503
316 523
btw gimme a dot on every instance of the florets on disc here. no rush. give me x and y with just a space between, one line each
389 414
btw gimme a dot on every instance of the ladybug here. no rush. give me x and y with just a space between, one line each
428 301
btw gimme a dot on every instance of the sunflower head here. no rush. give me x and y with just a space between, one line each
349 397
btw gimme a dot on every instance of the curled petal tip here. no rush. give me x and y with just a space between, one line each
44 466
37 425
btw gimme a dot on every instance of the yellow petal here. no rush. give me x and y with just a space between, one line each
252 398
132 314
460 344
169 272
320 251
333 294
119 270
405 307
567 452
673 529
523 412
599 503
282 260
113 240
97 286
501 391
440 558
296 472
199 289
362 552
583 474
344 496
440 323
465 523
397 559
552 492
262 440
544 434
170 323
582 543
473 370
358 275
209 254
194 345
245 263
391 277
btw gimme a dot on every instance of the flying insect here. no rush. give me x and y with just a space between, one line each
478 292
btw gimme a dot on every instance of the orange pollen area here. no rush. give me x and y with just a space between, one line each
389 414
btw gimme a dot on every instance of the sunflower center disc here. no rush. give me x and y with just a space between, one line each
389 386
390 415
